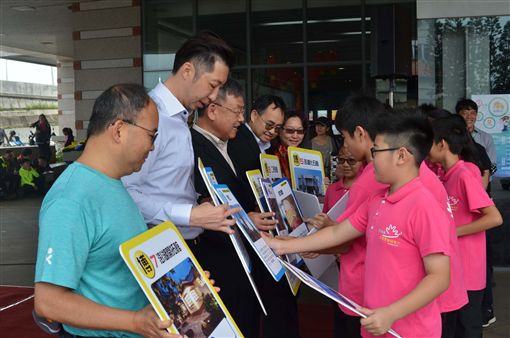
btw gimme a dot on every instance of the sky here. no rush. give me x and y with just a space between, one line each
18 71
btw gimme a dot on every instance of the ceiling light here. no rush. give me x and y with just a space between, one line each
23 8
46 43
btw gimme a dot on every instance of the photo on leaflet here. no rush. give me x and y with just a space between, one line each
268 192
245 221
290 213
188 300
310 181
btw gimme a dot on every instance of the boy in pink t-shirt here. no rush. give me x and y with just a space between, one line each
356 121
407 263
473 211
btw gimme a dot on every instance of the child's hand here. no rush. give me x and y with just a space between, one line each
310 255
275 243
263 220
320 220
378 321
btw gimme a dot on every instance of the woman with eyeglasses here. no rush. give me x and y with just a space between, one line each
347 170
291 134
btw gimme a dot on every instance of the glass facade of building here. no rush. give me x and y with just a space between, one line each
313 53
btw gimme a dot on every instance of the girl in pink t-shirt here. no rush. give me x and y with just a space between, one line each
474 213
347 170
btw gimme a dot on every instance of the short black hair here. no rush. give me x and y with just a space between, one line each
27 152
293 113
263 102
464 104
407 128
203 51
359 110
454 131
438 114
230 87
426 108
119 102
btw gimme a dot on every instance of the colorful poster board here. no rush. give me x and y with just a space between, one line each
210 180
493 118
307 170
176 285
251 233
253 178
332 294
270 165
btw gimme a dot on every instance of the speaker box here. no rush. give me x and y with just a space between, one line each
391 45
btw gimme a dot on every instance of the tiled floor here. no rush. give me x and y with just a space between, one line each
18 245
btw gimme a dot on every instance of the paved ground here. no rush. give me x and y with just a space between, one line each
18 245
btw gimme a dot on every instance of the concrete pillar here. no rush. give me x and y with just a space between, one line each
66 103
107 51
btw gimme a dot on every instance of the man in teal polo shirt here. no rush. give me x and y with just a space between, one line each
81 279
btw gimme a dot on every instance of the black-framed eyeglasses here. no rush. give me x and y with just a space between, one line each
294 131
270 125
152 133
373 150
350 161
239 112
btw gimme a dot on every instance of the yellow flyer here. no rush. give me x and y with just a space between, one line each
253 178
270 167
307 170
176 285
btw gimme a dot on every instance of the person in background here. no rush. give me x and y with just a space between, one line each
30 179
291 135
347 170
324 142
3 136
68 133
42 136
14 139
468 109
474 213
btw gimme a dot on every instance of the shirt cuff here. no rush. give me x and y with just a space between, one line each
181 213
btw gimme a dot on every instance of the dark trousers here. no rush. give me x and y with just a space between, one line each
449 324
488 300
281 306
469 317
44 150
215 253
345 326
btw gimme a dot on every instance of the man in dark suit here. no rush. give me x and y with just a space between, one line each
216 124
264 122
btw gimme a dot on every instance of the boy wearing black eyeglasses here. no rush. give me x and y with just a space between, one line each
406 261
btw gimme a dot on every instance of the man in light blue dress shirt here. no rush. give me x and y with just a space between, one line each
163 189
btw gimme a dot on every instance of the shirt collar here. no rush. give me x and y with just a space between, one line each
453 169
262 145
404 190
165 98
211 137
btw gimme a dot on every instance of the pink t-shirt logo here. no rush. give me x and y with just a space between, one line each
390 235
453 201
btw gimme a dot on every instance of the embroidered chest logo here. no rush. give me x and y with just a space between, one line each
453 201
390 235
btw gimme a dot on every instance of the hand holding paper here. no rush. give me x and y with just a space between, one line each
320 220
147 323
263 221
378 321
212 217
